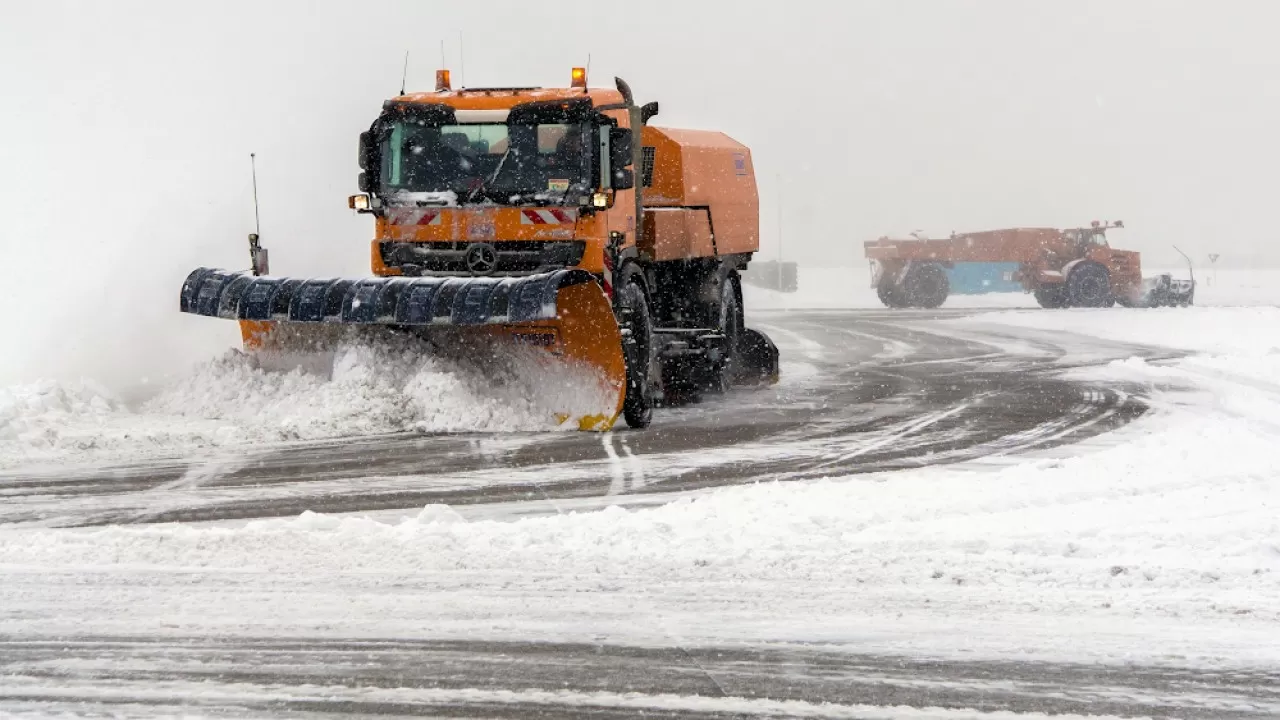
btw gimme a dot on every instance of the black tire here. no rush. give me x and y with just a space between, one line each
637 404
926 286
1089 286
888 294
1051 296
729 322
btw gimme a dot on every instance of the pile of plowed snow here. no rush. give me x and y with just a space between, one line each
355 389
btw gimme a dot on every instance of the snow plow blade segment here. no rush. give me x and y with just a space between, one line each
563 312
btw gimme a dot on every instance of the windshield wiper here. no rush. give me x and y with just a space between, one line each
484 184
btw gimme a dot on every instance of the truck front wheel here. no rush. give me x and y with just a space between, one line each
1051 296
889 294
637 404
1089 285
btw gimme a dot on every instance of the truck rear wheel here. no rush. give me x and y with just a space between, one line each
1089 285
637 404
730 325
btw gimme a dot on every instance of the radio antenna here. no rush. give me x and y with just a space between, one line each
253 166
404 74
462 63
443 62
257 253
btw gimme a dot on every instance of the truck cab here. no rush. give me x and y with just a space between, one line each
498 181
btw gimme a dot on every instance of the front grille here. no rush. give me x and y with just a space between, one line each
514 257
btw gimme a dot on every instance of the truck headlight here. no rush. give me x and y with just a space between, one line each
358 202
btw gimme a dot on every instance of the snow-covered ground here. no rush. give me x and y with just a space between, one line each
1159 542
225 402
1156 543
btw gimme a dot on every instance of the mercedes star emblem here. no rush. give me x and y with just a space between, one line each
481 258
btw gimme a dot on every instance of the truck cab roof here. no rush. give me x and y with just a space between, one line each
507 98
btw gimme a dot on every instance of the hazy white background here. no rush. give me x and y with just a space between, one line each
126 126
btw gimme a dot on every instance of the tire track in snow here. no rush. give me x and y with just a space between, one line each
398 677
951 400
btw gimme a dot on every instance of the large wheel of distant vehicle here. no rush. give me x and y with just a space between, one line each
637 404
925 286
1089 286
1051 296
889 293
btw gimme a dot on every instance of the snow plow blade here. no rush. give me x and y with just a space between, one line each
1165 291
563 312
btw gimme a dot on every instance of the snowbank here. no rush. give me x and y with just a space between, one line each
357 389
1248 331
1235 352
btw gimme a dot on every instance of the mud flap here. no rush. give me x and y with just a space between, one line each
563 312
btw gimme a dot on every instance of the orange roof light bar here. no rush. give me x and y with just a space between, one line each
579 77
442 80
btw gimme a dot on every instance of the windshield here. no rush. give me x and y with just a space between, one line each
546 163
1086 237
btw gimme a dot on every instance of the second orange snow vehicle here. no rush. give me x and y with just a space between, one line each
1075 267
538 217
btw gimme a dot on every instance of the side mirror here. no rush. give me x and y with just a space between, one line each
368 147
619 147
623 179
647 111
365 182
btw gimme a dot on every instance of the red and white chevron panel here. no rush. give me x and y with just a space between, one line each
548 216
414 216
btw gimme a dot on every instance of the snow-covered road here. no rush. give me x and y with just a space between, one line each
1059 521
860 393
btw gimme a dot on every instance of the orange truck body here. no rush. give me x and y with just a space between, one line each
1062 267
702 180
611 243
702 201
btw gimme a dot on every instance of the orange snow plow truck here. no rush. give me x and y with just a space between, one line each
552 219
1074 267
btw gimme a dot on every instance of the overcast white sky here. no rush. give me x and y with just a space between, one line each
126 129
